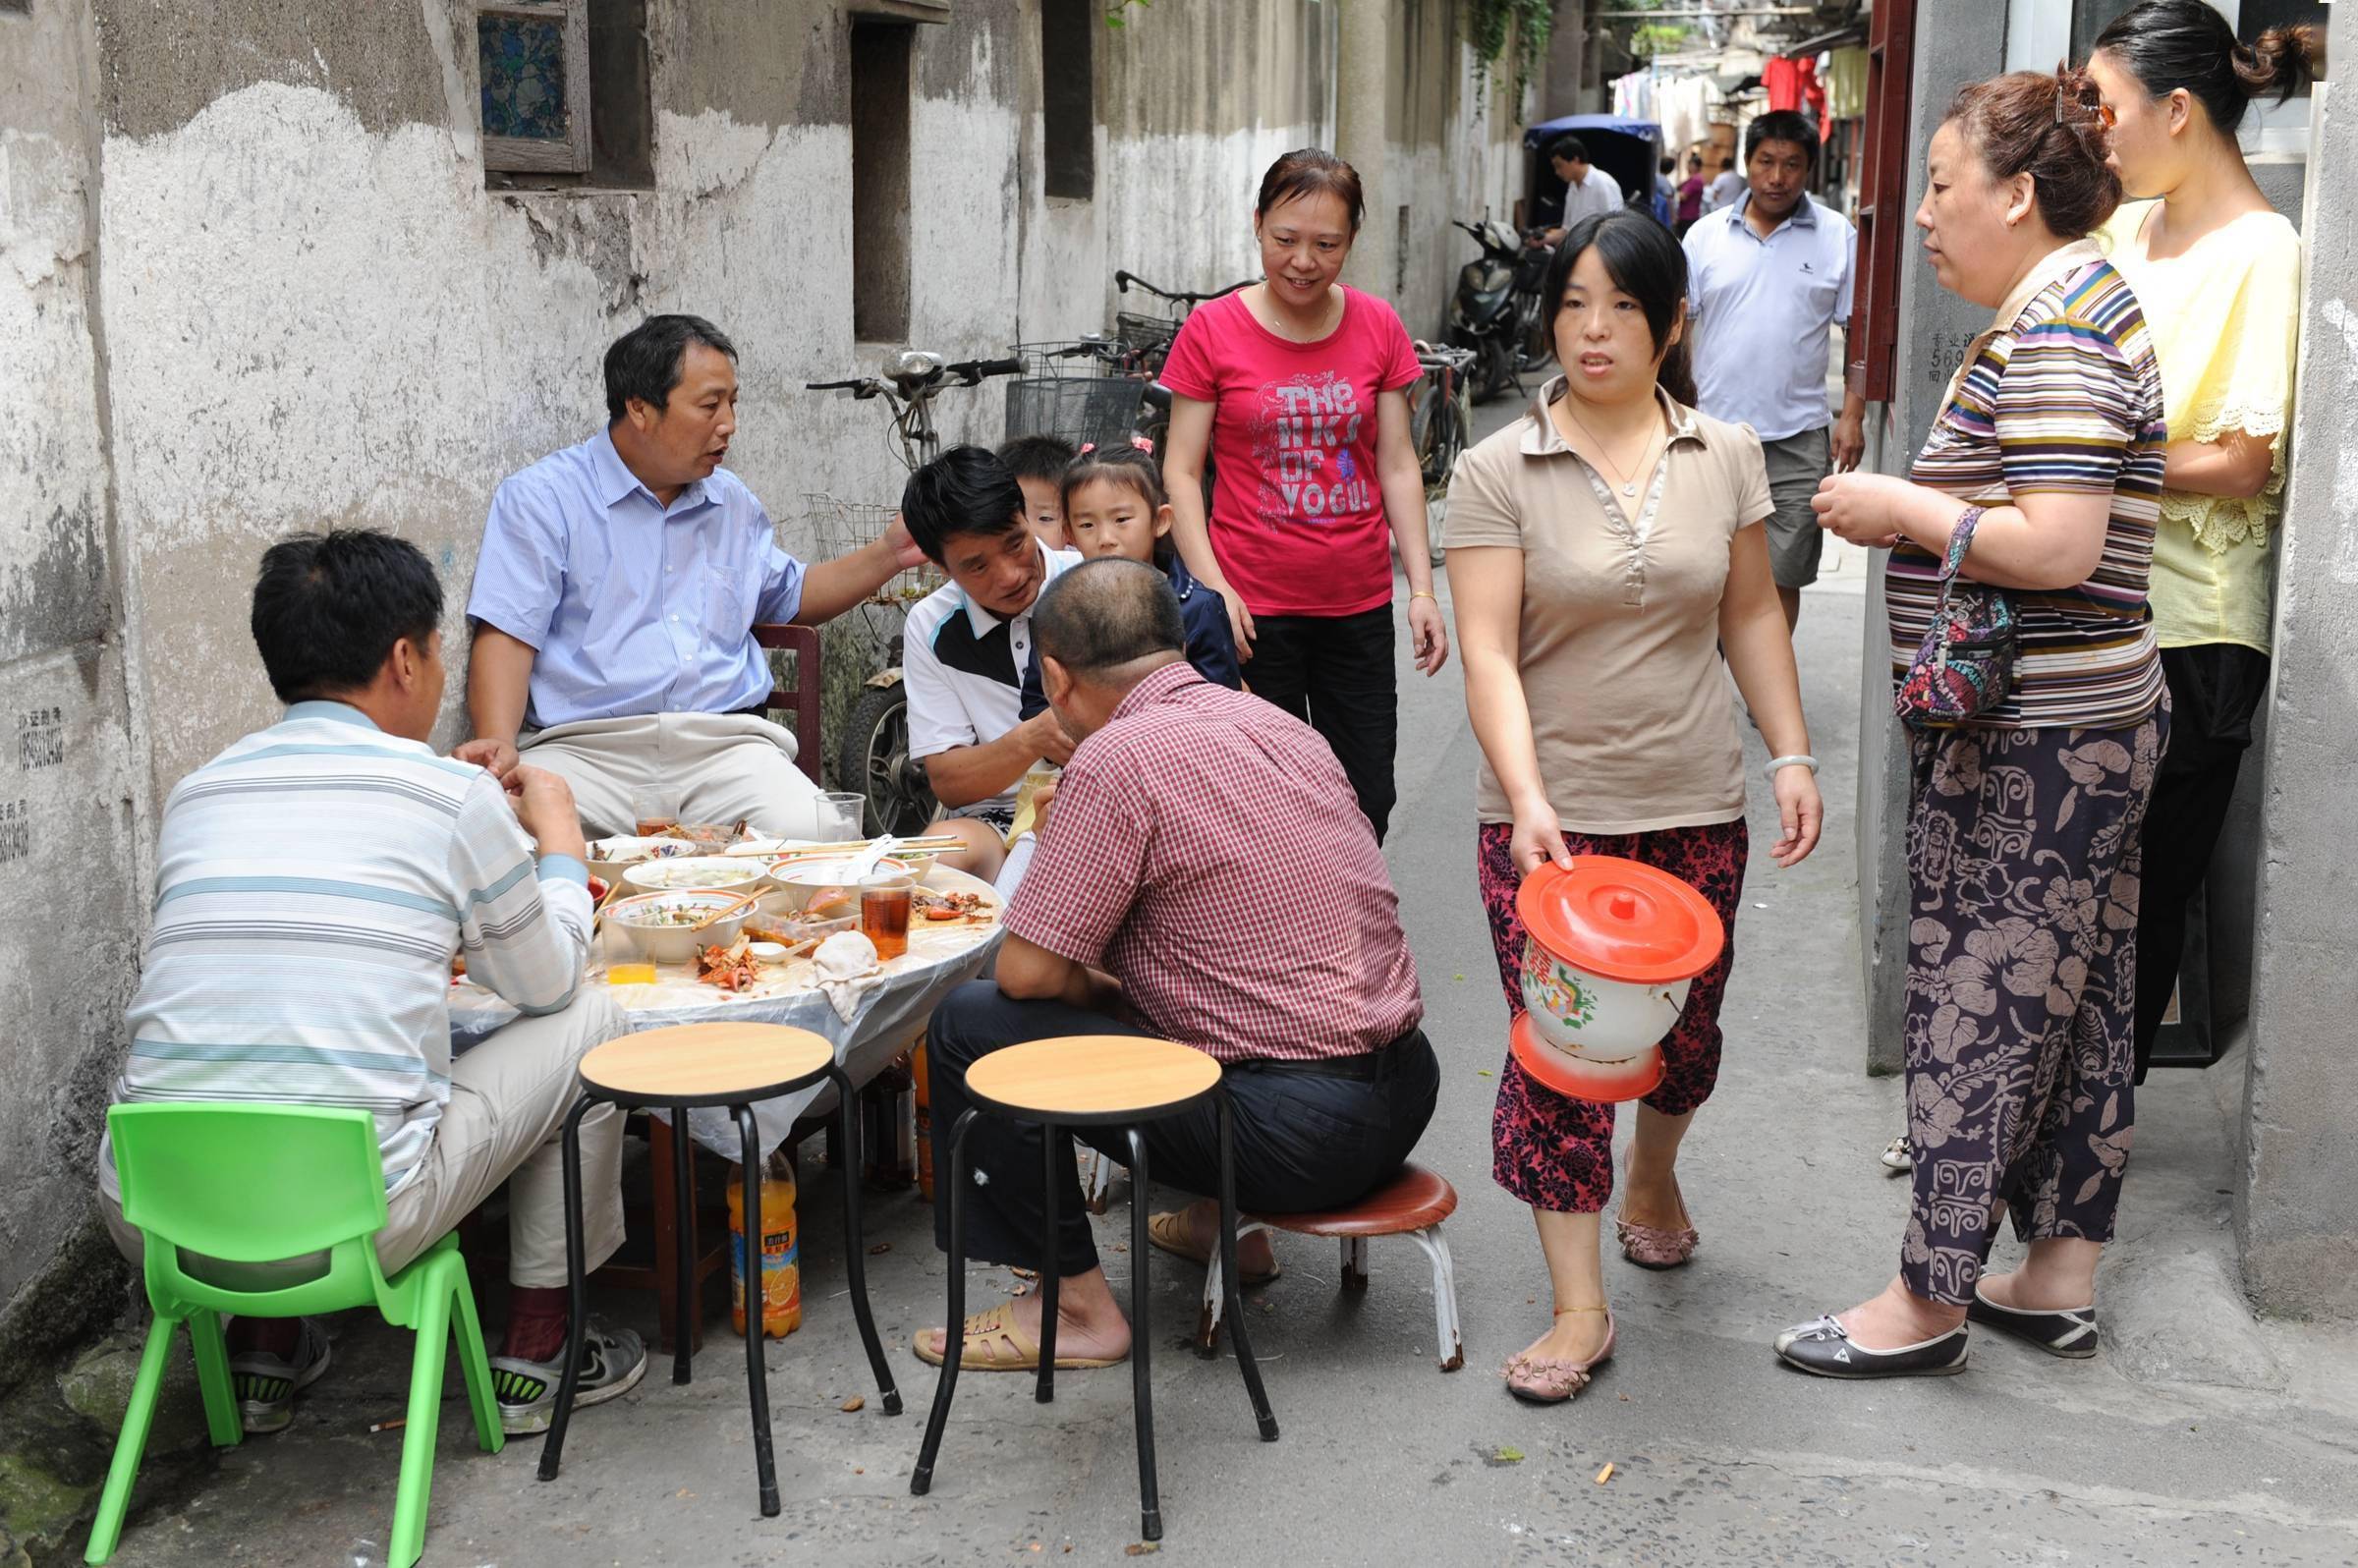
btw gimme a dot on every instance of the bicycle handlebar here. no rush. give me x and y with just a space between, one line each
969 372
1123 279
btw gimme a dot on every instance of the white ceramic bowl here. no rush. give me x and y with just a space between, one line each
1596 1019
804 881
657 934
737 874
609 857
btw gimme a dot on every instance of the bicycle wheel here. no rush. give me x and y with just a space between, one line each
873 760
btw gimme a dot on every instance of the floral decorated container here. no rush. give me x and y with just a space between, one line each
1614 947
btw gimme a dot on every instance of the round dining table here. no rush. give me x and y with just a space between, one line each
869 1021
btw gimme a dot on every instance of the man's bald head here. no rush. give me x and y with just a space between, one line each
1101 628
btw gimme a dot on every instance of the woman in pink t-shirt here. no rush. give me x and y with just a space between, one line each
1298 388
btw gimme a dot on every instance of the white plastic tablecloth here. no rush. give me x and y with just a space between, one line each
887 1018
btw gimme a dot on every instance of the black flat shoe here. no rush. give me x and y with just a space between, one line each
2070 1334
1823 1349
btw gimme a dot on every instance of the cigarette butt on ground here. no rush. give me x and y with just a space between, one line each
1605 1474
395 1425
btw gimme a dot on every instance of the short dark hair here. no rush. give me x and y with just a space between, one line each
1782 124
1694 160
965 490
644 361
328 609
1105 613
1038 457
1569 149
1646 263
1311 171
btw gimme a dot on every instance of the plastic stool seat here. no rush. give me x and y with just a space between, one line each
1415 1199
707 1064
1093 1079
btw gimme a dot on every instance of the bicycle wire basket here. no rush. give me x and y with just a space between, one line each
1085 391
1144 333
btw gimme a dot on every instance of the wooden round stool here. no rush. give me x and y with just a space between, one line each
1090 1081
728 1065
1413 1204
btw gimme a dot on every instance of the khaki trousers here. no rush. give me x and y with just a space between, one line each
703 767
505 1123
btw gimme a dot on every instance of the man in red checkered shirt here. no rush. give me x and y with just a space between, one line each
1206 877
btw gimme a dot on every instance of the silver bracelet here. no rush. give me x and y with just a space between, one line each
1797 759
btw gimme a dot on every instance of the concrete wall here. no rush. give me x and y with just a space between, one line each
1954 45
73 802
2292 1195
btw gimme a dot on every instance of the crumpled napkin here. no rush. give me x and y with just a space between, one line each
848 968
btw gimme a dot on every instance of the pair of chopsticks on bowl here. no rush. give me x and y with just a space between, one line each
936 844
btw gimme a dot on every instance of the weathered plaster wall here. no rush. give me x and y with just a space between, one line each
2293 1192
71 817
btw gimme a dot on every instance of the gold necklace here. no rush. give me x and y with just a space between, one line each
1628 483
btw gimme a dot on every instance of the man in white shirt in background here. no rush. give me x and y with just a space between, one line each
1587 189
1767 280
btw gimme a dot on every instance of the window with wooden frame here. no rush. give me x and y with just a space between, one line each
535 61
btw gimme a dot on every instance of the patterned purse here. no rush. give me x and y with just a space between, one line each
1965 664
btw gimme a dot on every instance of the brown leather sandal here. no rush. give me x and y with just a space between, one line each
993 1343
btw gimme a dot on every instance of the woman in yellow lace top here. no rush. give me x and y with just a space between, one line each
2219 274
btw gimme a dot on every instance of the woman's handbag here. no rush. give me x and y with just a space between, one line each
1965 665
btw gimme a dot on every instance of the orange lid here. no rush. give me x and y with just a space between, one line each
1620 920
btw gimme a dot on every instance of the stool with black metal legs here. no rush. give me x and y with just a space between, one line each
728 1065
1091 1081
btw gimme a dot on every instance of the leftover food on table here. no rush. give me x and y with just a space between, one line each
731 967
940 905
698 871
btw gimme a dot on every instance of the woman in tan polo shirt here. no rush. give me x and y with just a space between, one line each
1603 550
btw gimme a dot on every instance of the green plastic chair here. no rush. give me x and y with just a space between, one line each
260 1184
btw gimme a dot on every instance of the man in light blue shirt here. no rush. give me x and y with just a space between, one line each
615 599
1767 278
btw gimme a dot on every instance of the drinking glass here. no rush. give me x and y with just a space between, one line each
841 815
884 905
653 810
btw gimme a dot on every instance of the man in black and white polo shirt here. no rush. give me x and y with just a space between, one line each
967 645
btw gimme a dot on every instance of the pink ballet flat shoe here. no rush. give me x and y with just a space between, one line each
1650 1247
1547 1380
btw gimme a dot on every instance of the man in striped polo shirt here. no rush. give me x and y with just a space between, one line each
314 883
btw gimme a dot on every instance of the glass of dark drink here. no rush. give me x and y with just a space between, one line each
884 905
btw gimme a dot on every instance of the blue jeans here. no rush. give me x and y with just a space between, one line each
1304 1141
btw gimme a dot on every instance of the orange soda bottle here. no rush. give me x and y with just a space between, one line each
781 1271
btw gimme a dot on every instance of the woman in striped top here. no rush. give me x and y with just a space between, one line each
2022 822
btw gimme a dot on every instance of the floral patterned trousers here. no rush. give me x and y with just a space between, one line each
1552 1150
2022 982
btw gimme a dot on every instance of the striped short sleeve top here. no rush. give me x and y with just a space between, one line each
2062 394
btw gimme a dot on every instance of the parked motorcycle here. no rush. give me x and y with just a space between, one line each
1532 346
1483 315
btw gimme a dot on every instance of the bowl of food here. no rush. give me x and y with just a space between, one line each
662 927
719 871
825 888
609 857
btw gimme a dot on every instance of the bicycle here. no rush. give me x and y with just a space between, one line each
1441 416
872 755
1149 336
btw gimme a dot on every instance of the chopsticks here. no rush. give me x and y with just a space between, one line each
724 912
938 844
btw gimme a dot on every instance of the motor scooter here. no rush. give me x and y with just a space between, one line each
1483 315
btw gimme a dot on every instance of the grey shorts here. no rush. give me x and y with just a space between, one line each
1795 466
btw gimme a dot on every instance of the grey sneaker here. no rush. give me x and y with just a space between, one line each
265 1385
613 1359
1896 1156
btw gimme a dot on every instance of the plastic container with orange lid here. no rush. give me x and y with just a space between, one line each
1614 947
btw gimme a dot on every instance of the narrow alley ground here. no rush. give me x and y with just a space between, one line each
2199 1438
